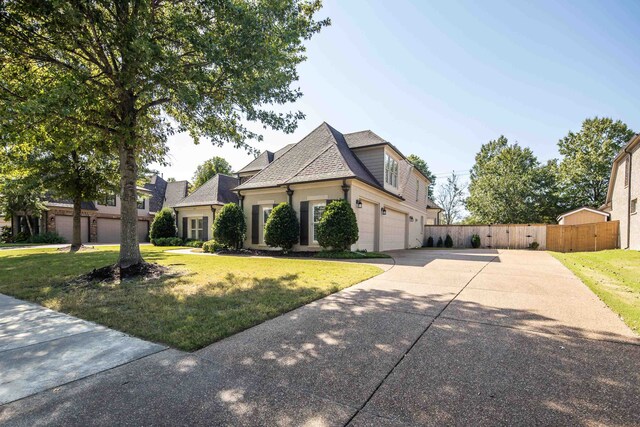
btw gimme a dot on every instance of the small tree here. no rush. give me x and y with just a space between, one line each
338 227
229 227
475 241
163 225
430 242
440 243
448 242
282 228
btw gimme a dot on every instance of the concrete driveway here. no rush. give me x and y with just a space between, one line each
474 337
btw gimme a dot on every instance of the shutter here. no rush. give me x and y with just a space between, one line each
255 224
185 226
304 223
205 228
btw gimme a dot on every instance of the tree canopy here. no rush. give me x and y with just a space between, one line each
209 169
587 156
139 71
423 167
450 197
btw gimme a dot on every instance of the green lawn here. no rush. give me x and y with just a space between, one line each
612 275
205 298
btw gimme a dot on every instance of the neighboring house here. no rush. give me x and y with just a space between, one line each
100 222
434 213
196 212
624 192
388 194
583 215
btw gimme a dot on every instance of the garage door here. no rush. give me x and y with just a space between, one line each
366 226
393 230
109 230
64 227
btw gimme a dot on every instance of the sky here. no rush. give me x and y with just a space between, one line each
439 79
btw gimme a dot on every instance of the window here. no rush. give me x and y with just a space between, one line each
634 206
141 203
196 228
390 170
417 189
109 200
265 215
318 210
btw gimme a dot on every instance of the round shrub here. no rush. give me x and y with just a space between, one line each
168 241
429 242
338 227
163 225
282 229
534 245
440 242
448 242
211 246
229 227
475 241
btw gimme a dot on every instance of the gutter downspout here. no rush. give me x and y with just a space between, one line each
629 159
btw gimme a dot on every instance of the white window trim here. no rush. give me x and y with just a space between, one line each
390 170
263 222
199 230
312 222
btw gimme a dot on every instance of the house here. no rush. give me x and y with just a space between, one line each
388 194
100 222
196 212
434 213
583 215
624 192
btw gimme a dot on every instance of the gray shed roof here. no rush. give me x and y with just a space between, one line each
321 155
216 191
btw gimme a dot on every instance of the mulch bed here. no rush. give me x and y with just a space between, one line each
113 273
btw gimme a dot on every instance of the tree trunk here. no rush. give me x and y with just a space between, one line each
76 239
28 219
129 249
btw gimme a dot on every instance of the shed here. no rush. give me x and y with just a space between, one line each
583 215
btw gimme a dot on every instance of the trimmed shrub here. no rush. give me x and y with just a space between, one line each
163 225
194 243
282 229
229 227
168 241
440 242
5 235
475 241
448 242
338 227
534 246
49 237
429 242
211 246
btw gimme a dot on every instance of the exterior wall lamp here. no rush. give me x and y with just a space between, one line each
383 211
411 219
358 203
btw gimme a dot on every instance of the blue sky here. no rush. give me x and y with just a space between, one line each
439 79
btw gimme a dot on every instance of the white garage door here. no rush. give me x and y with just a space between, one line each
64 227
109 230
393 230
366 226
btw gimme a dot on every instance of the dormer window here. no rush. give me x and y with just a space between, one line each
390 170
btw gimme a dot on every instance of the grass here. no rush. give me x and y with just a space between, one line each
204 300
350 255
614 276
17 245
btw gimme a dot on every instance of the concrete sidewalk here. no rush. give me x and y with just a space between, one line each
478 337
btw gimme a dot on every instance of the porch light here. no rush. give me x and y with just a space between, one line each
384 211
411 219
358 203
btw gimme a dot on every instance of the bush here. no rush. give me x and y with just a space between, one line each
338 227
448 242
163 225
440 242
429 242
229 227
49 237
6 235
282 229
211 246
475 241
168 241
534 246
194 243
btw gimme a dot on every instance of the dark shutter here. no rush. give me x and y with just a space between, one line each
185 225
255 224
304 223
205 228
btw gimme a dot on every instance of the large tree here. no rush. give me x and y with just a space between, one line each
507 185
127 67
450 197
586 160
209 169
423 167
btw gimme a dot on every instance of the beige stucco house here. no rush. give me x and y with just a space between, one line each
388 194
624 192
584 215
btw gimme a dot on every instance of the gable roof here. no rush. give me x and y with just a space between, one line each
176 191
263 160
584 208
628 148
216 191
321 155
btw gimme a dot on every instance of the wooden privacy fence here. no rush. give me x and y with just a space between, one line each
500 236
584 237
